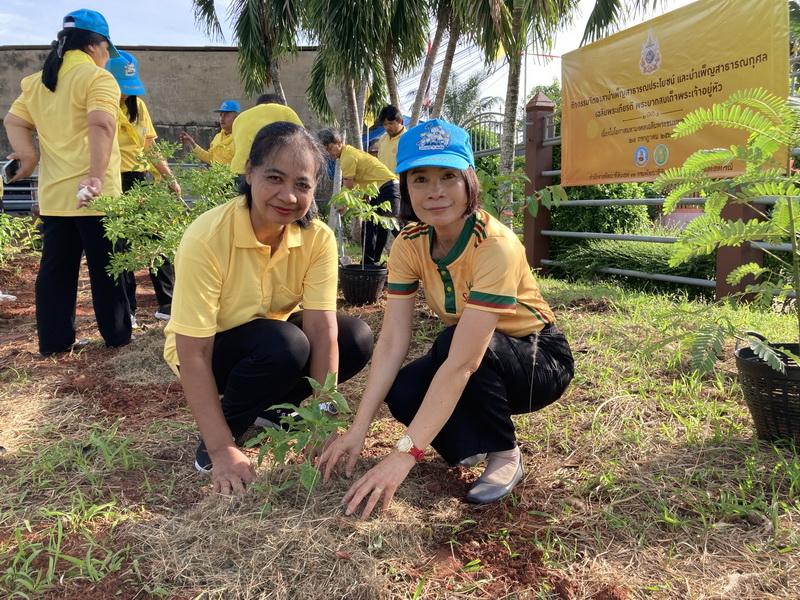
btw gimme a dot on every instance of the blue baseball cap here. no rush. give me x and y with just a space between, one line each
90 20
435 143
229 106
125 69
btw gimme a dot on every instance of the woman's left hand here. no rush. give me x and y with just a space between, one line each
378 484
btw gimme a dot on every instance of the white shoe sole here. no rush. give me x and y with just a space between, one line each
161 316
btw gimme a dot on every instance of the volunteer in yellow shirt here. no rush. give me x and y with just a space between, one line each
269 108
359 169
136 135
254 311
72 106
391 119
221 149
499 355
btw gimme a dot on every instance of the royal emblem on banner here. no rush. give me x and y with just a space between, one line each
651 56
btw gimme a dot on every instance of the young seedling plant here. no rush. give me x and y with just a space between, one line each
303 429
355 205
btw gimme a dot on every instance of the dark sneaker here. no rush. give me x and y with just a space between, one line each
164 312
202 461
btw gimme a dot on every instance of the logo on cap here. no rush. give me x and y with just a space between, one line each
435 137
129 70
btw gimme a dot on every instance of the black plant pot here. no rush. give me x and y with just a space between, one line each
772 397
362 284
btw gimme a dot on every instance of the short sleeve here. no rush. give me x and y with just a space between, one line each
319 285
147 122
103 94
403 276
20 109
198 284
494 277
349 164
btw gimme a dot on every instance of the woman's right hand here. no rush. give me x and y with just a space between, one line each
232 471
347 445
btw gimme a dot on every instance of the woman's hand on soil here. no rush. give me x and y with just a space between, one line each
232 471
338 447
378 484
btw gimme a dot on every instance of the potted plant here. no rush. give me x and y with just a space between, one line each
769 372
362 283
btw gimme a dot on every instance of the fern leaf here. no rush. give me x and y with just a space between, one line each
735 277
764 101
766 353
705 346
730 117
715 202
700 239
676 194
773 188
701 160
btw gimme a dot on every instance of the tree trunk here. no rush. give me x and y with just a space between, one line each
391 77
447 65
430 59
351 111
275 75
507 142
361 98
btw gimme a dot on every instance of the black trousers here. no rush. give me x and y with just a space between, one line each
375 236
65 239
163 279
505 384
265 362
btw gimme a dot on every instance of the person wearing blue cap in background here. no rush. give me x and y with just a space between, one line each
499 355
137 135
72 106
221 149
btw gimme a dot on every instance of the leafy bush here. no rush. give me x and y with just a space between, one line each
152 219
16 235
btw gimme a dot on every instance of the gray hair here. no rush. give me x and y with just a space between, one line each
329 136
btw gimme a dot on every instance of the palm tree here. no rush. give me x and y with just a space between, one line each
463 102
264 31
405 42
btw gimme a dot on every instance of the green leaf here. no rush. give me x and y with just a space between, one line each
308 475
705 346
735 277
766 353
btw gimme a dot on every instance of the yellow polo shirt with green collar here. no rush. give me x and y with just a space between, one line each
387 149
486 270
225 277
220 151
249 123
363 168
61 119
135 137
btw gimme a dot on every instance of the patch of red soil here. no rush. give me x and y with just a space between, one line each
611 592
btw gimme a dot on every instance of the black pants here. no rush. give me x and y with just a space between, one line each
265 362
375 236
505 384
65 239
163 279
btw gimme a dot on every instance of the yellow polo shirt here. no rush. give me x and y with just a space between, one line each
363 168
225 277
486 270
61 119
221 149
135 137
387 149
249 123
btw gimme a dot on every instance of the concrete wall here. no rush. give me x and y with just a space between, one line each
184 85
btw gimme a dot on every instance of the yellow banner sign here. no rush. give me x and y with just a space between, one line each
623 95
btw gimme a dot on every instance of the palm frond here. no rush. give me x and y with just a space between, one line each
205 15
316 94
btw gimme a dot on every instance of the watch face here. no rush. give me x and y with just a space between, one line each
404 444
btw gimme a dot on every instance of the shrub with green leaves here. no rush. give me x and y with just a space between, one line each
356 206
17 234
772 125
152 219
313 424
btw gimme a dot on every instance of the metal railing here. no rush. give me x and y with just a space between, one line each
486 132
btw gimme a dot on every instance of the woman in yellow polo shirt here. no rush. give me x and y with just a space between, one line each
499 355
72 107
254 310
136 135
221 149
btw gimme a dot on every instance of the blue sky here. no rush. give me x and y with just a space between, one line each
171 23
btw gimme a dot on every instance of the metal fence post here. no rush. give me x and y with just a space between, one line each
729 258
538 158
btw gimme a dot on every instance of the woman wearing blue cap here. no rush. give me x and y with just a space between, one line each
499 355
72 106
221 149
136 136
